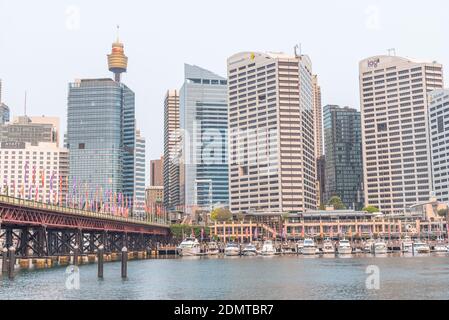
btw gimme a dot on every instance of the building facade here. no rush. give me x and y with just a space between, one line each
171 150
34 171
31 129
139 176
439 145
204 123
394 107
343 149
157 172
271 133
4 109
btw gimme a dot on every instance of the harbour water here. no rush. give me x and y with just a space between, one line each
271 278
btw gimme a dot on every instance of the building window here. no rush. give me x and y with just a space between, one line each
440 124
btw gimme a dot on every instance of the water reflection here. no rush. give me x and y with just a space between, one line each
270 277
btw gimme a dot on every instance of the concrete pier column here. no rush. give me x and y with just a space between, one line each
12 262
100 261
124 262
5 260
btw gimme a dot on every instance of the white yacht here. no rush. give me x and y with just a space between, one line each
380 247
328 247
421 247
189 247
407 244
344 247
368 248
309 247
249 250
232 249
212 249
440 247
268 248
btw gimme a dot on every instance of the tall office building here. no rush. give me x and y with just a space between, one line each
105 150
171 150
318 117
319 158
439 145
343 149
4 109
271 132
157 172
203 113
394 107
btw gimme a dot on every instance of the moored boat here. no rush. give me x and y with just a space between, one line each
380 247
249 250
268 249
344 247
212 249
407 244
189 247
232 249
328 247
421 247
309 247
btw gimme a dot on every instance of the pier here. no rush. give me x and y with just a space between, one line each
43 235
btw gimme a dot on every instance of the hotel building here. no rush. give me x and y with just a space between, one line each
272 159
343 148
394 107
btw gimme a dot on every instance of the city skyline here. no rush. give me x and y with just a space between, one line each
374 29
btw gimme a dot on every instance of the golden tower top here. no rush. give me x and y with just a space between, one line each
117 61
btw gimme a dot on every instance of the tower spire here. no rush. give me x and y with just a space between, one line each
117 61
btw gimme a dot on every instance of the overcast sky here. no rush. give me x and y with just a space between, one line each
46 44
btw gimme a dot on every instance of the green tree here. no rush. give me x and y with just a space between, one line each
443 212
221 215
179 231
322 206
371 209
336 202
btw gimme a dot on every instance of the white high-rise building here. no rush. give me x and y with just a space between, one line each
394 107
439 144
271 133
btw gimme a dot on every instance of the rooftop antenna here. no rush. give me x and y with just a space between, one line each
118 33
392 50
25 105
296 47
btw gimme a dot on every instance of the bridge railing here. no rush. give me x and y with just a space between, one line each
73 211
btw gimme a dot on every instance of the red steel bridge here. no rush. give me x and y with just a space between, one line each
38 229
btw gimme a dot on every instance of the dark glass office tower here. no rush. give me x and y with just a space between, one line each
343 150
100 135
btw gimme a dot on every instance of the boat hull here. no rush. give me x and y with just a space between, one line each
344 250
188 252
309 251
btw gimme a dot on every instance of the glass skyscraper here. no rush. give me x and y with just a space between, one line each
101 136
343 152
204 122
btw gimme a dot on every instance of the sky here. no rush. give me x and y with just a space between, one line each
46 44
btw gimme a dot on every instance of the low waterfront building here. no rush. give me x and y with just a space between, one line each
31 129
35 172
